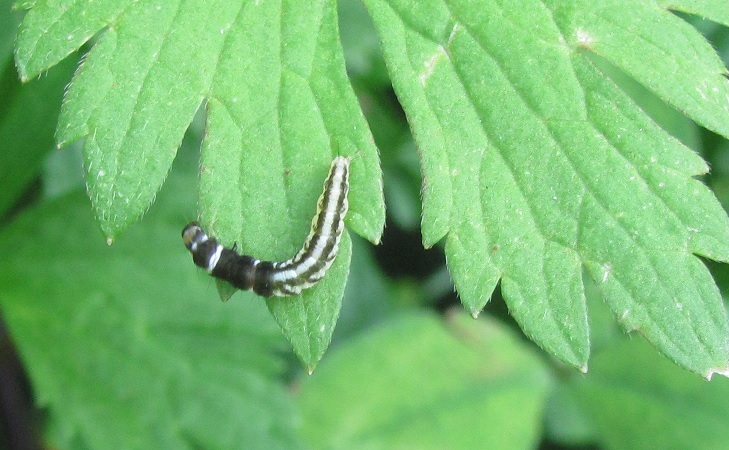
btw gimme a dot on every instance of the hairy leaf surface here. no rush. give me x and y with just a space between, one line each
536 167
280 107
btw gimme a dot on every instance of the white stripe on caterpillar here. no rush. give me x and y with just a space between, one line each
290 277
321 246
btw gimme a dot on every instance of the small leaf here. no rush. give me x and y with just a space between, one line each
632 393
535 166
412 382
127 346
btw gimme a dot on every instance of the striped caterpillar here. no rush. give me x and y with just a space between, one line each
290 277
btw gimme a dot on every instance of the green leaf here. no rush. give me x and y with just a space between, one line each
308 319
369 294
9 21
276 71
53 30
565 422
27 120
414 383
279 107
264 197
637 399
648 42
536 166
133 97
716 10
128 347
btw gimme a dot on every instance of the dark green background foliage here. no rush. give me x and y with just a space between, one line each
567 160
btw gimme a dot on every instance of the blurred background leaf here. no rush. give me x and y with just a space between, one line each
117 365
416 382
636 399
28 115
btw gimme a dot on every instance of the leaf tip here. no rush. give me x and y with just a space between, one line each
109 240
722 371
225 290
21 68
475 313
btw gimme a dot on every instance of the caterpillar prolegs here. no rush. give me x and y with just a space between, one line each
290 277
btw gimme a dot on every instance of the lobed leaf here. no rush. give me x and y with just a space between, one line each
289 91
135 95
51 31
535 166
151 68
648 42
279 106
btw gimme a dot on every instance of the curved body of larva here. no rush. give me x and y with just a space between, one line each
290 277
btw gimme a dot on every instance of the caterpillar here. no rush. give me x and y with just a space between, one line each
290 277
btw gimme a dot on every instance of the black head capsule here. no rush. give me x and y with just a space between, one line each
205 251
192 235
